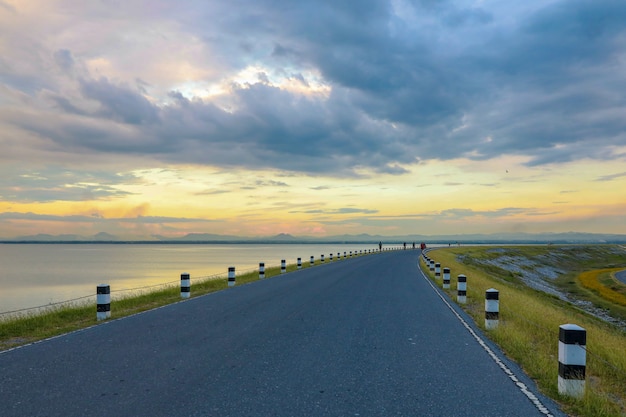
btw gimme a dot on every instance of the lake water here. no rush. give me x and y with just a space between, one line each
33 275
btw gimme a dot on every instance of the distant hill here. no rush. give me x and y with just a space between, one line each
284 236
569 237
197 237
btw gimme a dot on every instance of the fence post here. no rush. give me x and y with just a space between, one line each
492 308
261 270
283 266
299 263
446 278
437 270
461 288
103 302
231 276
185 285
572 360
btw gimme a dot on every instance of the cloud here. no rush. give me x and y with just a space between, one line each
98 218
119 103
380 85
343 210
213 192
457 213
59 184
271 183
611 177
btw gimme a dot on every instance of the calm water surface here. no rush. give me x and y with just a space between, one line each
34 275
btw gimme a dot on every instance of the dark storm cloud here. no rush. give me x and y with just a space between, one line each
409 81
119 103
554 79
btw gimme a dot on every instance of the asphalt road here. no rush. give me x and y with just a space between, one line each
621 276
366 336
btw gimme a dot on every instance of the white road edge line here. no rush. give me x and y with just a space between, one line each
522 387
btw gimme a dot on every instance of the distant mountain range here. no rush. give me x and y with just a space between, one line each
570 237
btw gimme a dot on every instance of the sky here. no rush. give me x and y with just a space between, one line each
315 118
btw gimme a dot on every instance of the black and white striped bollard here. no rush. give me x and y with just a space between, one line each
312 260
261 270
103 302
432 265
492 308
344 254
437 270
283 266
331 257
446 278
572 360
461 288
185 285
231 276
322 259
299 263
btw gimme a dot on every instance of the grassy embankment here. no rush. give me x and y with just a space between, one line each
27 328
530 320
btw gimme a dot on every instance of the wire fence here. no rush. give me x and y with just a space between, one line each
117 294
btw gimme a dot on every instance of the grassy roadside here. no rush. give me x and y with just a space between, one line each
528 333
28 328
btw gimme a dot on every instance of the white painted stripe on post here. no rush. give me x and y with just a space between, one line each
299 263
492 308
103 302
231 276
261 270
572 360
283 266
446 278
461 288
185 285
312 260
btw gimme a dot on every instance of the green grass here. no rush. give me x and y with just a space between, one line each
530 320
30 327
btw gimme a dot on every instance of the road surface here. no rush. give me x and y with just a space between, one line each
621 276
367 336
